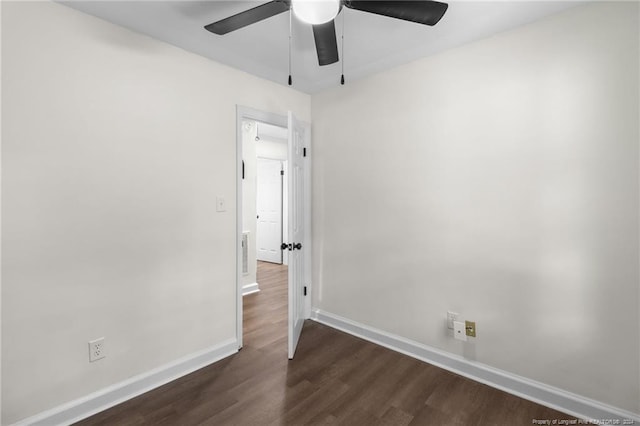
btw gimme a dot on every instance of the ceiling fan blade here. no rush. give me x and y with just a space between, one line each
248 17
326 43
421 11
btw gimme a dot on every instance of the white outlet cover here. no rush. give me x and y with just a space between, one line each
451 317
221 206
96 349
459 331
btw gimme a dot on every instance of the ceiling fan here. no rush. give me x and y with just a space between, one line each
321 13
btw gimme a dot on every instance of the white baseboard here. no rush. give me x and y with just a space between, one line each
250 289
108 397
537 392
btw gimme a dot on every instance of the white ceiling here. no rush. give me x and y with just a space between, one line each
270 132
372 43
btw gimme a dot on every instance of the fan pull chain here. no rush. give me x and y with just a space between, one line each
290 80
342 48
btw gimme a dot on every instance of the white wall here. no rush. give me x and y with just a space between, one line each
115 147
498 180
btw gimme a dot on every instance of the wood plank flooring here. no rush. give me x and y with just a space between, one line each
334 379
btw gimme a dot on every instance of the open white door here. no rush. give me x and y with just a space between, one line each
269 208
296 232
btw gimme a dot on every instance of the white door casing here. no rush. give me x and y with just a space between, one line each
269 210
285 212
296 234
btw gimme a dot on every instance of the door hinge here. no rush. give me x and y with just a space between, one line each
281 172
304 152
305 290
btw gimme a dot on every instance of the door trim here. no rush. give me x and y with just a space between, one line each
246 113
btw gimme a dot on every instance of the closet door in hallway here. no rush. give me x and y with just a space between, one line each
269 208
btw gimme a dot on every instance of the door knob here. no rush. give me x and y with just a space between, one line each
297 246
285 246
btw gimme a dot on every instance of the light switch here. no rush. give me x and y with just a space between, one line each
220 204
459 332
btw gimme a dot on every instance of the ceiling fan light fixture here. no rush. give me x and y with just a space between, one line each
315 12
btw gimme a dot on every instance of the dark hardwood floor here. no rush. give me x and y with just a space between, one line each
335 378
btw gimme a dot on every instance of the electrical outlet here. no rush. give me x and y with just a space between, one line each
221 205
470 327
451 317
96 349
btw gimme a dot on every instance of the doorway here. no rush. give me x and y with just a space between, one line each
293 199
264 198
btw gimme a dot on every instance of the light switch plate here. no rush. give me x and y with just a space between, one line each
459 331
451 317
